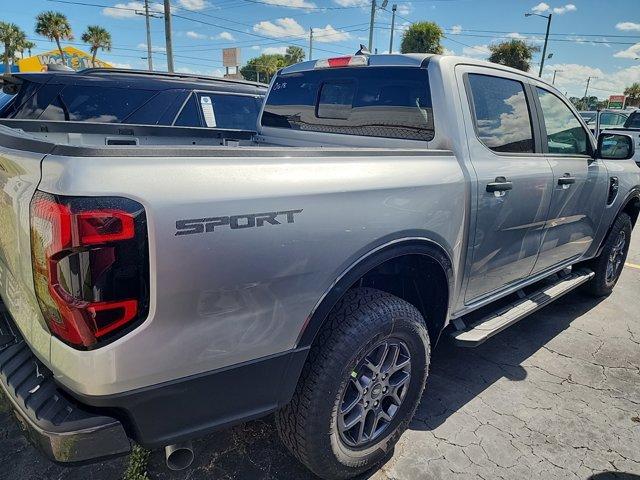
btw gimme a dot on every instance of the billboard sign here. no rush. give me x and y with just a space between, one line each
617 101
73 57
230 57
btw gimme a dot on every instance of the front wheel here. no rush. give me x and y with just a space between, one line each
359 387
609 264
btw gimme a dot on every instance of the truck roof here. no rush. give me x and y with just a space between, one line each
417 60
144 79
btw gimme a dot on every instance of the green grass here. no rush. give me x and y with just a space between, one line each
137 468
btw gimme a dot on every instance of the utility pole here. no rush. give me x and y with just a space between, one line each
147 16
553 82
393 24
167 34
586 90
373 18
311 44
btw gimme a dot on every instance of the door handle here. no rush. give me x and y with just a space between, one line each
567 179
501 184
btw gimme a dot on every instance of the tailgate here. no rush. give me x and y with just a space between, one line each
20 159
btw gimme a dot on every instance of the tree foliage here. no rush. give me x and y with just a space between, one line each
264 67
97 38
422 37
12 38
294 55
54 26
513 53
633 94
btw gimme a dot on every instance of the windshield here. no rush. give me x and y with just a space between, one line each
391 102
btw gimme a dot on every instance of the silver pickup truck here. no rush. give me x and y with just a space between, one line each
183 280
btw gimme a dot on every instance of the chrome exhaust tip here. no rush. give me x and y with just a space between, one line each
179 456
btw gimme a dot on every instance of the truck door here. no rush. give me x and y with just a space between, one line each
514 180
580 183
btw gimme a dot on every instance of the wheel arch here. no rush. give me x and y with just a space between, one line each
393 253
630 206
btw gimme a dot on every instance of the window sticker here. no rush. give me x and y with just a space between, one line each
207 110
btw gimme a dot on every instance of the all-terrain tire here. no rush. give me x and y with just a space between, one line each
607 275
308 425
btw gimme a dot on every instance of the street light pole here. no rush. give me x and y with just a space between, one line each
553 82
546 38
373 17
167 34
393 24
311 44
544 49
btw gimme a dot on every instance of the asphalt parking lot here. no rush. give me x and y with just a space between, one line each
556 396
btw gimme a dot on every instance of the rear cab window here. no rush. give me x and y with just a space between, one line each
633 121
501 114
390 102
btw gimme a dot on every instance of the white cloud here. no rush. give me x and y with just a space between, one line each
275 50
405 9
192 4
283 27
516 35
540 8
569 7
255 47
224 36
196 35
121 65
329 34
154 48
128 10
456 29
476 51
628 26
352 3
291 3
211 73
445 51
632 52
571 78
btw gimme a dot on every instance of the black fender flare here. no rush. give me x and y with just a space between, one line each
633 195
367 262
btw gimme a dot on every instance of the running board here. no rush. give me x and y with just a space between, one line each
479 331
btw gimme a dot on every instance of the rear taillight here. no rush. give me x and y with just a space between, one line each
90 266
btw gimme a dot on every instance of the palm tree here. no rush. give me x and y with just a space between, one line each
633 94
54 26
28 46
97 37
10 35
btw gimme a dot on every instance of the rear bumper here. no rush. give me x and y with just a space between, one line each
62 428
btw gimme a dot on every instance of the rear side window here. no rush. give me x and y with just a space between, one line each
103 104
391 102
33 99
565 133
633 121
501 114
230 111
189 116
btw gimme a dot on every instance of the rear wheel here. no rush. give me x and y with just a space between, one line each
609 264
359 387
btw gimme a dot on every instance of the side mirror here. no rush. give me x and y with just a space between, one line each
615 146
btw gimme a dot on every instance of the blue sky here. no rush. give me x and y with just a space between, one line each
598 38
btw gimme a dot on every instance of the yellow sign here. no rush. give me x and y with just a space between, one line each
74 58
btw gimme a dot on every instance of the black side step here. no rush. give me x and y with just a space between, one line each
485 328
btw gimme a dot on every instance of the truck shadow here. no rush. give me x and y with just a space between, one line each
458 375
253 450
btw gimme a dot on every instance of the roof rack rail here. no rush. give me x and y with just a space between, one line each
126 71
